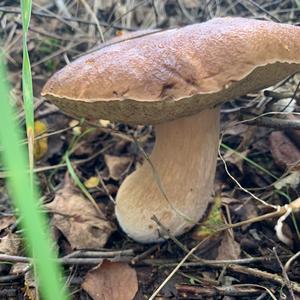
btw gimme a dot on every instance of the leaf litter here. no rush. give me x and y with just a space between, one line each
77 219
104 151
111 281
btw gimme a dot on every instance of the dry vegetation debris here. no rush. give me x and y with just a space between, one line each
262 155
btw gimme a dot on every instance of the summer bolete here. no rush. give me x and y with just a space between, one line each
175 79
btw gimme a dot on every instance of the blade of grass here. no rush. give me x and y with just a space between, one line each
80 184
27 85
250 161
25 198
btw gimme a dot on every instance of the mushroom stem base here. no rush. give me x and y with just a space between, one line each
176 187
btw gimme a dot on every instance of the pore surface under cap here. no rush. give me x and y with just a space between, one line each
177 72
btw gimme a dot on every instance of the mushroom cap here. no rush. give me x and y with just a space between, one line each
167 74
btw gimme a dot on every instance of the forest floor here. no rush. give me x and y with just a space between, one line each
79 163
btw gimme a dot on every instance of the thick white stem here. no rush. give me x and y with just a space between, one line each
179 187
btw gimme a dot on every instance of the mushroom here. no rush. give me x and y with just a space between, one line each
175 79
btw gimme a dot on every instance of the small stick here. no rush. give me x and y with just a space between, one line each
145 254
285 275
176 269
214 291
166 232
258 274
274 123
60 18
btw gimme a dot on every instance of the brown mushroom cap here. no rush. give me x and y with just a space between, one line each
160 77
178 72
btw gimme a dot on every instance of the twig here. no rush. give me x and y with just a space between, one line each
93 15
167 233
284 274
278 95
54 16
145 254
290 261
108 194
112 24
10 293
258 274
264 10
214 291
274 123
65 260
175 269
293 97
4 174
208 262
100 254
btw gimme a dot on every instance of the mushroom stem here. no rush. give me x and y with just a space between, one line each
177 185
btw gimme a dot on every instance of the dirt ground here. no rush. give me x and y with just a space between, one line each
80 166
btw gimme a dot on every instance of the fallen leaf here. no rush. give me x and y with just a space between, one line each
30 286
78 220
236 158
229 248
92 182
117 165
10 244
40 144
111 281
6 221
287 105
236 129
246 210
242 131
285 154
292 180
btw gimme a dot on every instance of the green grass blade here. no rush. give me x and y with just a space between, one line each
25 199
27 85
249 161
26 13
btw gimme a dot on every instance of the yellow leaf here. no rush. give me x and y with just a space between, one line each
40 144
92 182
104 123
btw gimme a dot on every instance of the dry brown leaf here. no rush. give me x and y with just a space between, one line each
244 131
117 165
285 153
111 281
6 221
10 244
229 248
236 158
30 286
78 220
236 129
